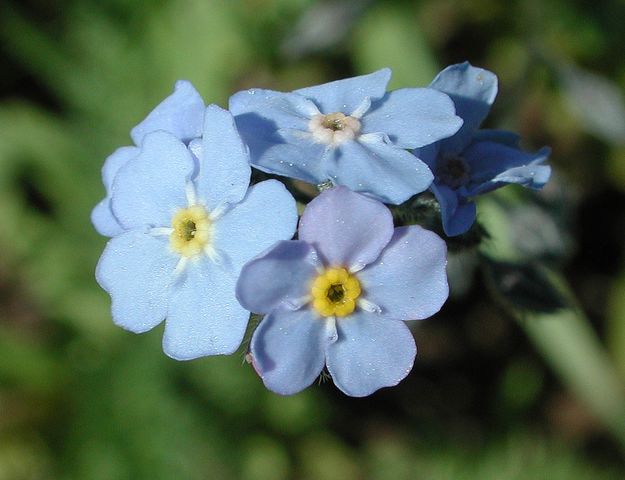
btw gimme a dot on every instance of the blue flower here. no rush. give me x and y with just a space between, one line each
340 294
189 224
473 162
351 132
181 114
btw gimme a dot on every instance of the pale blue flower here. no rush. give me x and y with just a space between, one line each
340 294
350 132
472 161
181 114
189 224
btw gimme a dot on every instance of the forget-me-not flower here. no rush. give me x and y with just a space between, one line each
189 224
473 161
340 294
181 114
350 132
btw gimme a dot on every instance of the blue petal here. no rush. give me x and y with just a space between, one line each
504 137
136 269
473 91
300 157
180 114
408 281
346 228
347 95
151 187
204 316
259 114
457 212
279 277
266 215
370 354
103 219
413 117
224 172
102 216
375 168
288 349
494 164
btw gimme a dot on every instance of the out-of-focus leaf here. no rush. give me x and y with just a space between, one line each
616 323
389 36
524 287
597 103
322 26
561 333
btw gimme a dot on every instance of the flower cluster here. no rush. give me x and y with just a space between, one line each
195 245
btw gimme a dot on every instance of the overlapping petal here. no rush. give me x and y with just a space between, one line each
473 91
266 214
457 213
149 188
224 172
180 114
346 228
346 95
102 216
413 117
375 168
493 163
136 270
204 317
279 277
369 354
408 281
288 348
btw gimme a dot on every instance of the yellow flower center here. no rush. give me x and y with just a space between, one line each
334 292
192 230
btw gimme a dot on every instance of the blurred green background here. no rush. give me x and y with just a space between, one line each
520 376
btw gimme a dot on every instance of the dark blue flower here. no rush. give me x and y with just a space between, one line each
472 161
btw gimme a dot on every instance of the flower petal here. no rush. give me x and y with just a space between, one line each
204 316
457 212
473 91
370 354
346 95
346 228
224 172
375 168
408 281
149 188
279 277
413 117
103 219
102 216
494 164
136 269
300 157
266 214
180 114
288 348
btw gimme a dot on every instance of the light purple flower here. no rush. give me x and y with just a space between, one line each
340 294
350 132
181 114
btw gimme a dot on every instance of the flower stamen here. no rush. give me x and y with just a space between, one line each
453 171
191 231
334 128
334 292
